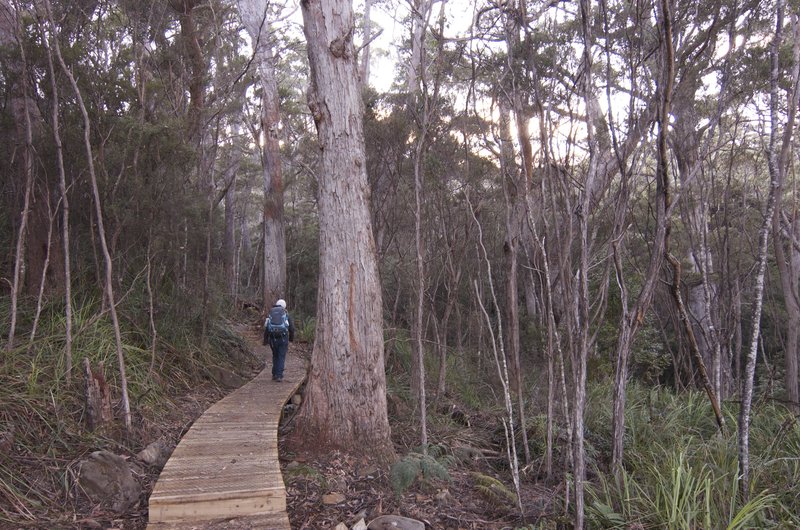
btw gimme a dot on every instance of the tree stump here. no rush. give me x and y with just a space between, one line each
97 396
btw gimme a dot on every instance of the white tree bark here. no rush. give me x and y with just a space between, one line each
62 186
499 354
579 464
420 14
43 275
774 162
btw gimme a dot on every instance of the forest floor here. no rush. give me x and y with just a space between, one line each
465 498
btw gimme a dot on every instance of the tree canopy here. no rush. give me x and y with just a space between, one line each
551 197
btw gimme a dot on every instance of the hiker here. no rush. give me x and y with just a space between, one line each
278 333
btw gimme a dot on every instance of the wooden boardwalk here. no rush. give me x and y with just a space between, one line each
224 473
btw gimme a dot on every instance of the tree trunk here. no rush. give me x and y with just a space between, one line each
414 79
515 194
788 271
109 272
43 272
419 19
630 324
229 241
205 171
231 212
775 157
150 305
423 106
62 186
21 107
365 51
419 348
255 18
345 404
454 267
554 356
738 336
789 267
689 330
97 396
499 354
583 320
198 69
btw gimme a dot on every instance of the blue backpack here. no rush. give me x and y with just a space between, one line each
277 322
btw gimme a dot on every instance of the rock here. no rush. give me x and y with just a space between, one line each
156 454
225 377
297 399
333 498
395 522
106 479
358 517
341 526
360 525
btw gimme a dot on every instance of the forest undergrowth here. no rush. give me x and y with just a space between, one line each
680 471
43 430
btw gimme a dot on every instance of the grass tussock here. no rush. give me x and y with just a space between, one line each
680 472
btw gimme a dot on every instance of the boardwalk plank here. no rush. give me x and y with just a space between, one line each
225 473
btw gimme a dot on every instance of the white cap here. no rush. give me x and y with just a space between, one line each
281 303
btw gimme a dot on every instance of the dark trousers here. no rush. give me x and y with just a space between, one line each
279 347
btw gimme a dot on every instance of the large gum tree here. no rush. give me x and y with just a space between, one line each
345 405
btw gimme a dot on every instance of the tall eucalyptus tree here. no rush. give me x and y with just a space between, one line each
345 404
256 16
786 221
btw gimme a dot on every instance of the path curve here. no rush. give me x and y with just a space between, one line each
225 473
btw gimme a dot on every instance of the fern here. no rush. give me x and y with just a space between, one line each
306 330
418 466
404 473
493 489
